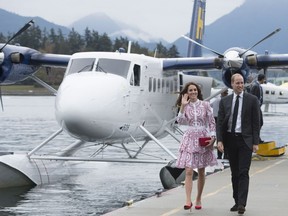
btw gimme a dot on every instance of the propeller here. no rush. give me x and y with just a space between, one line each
1 100
217 53
260 41
24 28
233 60
2 56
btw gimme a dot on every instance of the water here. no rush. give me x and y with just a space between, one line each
90 188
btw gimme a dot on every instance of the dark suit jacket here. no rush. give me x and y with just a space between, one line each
250 118
256 90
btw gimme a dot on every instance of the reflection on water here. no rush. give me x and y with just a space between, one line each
10 197
90 188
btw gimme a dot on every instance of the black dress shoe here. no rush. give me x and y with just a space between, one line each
234 208
241 209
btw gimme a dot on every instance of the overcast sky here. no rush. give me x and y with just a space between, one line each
167 19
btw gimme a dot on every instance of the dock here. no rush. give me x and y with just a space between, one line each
268 192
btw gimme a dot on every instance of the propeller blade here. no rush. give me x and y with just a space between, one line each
272 33
193 41
24 28
1 101
216 94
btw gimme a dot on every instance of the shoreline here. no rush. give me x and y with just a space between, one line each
24 90
27 94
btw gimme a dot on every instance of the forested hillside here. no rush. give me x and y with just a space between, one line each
54 41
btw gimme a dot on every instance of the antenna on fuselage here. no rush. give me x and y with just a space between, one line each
155 52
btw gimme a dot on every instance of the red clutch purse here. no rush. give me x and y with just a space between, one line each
202 141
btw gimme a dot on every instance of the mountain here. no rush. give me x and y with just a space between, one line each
11 23
245 26
102 23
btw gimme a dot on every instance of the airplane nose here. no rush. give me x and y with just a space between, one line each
86 104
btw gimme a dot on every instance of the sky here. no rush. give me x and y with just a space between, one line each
167 19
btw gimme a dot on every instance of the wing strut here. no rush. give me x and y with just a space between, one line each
157 141
45 85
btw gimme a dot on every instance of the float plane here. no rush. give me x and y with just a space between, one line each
114 99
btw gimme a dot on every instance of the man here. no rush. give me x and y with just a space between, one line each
240 133
256 89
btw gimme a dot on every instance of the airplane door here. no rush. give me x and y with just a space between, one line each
136 92
205 83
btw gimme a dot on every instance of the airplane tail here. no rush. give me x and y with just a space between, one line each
197 28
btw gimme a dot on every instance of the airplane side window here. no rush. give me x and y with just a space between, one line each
267 92
159 85
281 93
180 82
273 92
154 85
163 85
171 86
175 85
167 86
150 84
136 72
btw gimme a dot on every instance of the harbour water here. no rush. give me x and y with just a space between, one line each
88 188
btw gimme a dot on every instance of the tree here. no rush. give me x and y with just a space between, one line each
161 50
62 44
2 38
91 40
172 52
75 42
136 48
105 43
30 38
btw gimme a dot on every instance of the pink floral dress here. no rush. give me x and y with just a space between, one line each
201 123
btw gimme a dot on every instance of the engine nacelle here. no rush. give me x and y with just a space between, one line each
235 62
17 57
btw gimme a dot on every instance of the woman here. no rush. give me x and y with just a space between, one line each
198 115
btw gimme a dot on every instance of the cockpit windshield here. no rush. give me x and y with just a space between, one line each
114 66
81 64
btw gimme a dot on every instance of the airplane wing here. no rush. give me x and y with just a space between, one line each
264 61
191 63
253 61
18 63
56 60
231 62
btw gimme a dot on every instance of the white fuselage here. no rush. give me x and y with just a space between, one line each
106 96
274 94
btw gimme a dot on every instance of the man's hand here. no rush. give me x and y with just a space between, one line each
220 146
255 148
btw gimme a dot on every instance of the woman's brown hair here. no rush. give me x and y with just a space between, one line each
185 90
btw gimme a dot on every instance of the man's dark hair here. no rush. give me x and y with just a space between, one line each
261 77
